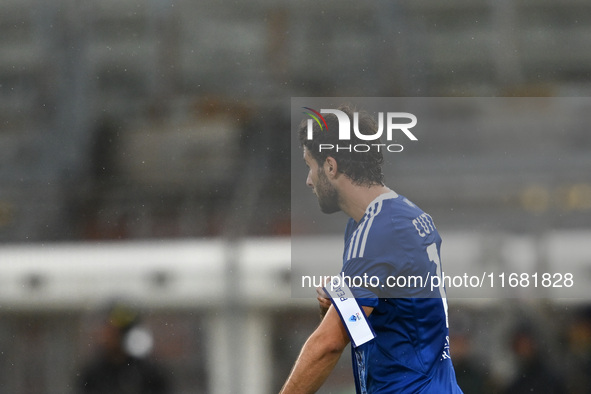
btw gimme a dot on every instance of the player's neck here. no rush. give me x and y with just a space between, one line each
357 199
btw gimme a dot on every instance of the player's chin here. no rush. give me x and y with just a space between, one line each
329 209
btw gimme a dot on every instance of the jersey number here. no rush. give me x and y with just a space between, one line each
434 257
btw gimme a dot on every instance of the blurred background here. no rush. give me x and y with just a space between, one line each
144 161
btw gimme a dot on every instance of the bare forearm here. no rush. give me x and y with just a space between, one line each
318 356
312 367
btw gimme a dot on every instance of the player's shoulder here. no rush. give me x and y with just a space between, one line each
404 218
402 206
383 219
396 212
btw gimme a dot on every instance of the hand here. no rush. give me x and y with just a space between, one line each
323 301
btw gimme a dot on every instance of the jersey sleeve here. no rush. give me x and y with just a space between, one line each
364 278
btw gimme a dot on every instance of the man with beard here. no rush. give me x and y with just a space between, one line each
387 236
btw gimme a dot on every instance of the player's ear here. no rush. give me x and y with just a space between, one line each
330 166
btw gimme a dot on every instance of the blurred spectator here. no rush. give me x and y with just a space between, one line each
471 373
121 365
469 369
578 360
532 375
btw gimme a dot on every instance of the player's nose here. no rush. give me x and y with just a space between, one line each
309 181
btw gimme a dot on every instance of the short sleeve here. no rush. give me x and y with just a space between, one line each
364 278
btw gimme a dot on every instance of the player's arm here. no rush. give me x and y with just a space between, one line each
319 355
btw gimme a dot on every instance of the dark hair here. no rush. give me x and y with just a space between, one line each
363 168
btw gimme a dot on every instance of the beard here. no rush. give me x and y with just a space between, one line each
328 197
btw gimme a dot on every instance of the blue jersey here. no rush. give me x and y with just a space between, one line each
394 251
